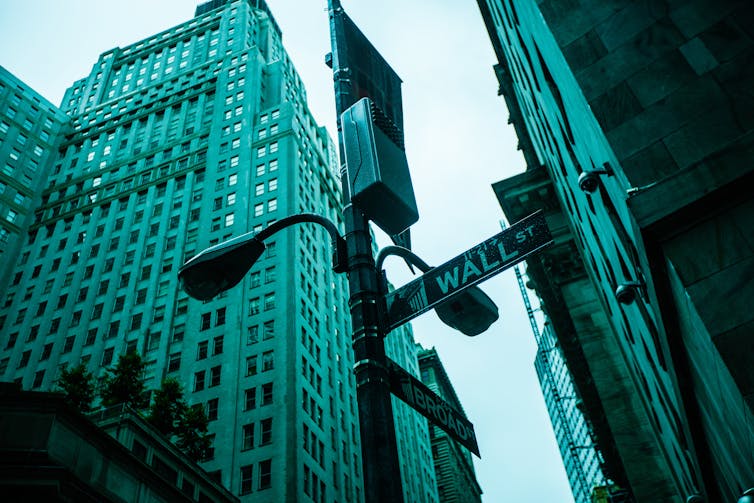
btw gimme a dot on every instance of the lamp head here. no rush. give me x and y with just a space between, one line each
219 267
471 312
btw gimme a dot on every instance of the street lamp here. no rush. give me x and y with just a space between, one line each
471 312
221 267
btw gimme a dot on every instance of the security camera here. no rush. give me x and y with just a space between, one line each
589 181
626 292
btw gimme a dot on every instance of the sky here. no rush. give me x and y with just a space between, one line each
458 144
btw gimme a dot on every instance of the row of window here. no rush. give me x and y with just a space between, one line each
248 434
250 396
264 480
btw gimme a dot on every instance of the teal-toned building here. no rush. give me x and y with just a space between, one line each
174 143
454 468
574 435
29 130
636 124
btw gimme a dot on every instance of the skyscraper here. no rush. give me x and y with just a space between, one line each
581 458
637 136
456 479
172 144
30 126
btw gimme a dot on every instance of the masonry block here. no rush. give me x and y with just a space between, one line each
660 78
615 107
649 164
665 117
584 51
633 56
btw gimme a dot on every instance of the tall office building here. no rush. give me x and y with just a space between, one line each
582 459
174 143
29 130
454 468
636 124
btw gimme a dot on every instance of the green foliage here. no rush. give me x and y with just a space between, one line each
193 438
124 384
168 407
78 385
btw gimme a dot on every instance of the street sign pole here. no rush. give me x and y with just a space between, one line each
379 450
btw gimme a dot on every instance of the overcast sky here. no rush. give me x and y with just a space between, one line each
458 143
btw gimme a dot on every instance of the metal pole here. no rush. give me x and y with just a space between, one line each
381 470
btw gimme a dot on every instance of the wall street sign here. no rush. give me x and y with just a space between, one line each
475 265
430 405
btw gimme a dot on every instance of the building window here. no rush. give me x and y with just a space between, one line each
174 362
265 431
251 365
267 361
272 205
268 331
201 352
271 249
212 406
214 376
38 379
220 317
254 306
199 378
246 480
265 474
269 301
107 356
253 335
248 437
267 393
46 351
250 399
24 361
258 210
217 346
206 321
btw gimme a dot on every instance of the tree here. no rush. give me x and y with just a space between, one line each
124 384
193 438
78 385
168 407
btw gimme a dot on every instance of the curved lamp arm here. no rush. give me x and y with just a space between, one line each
336 240
402 252
471 311
223 266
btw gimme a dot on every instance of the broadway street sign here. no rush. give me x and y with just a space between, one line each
486 259
426 402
